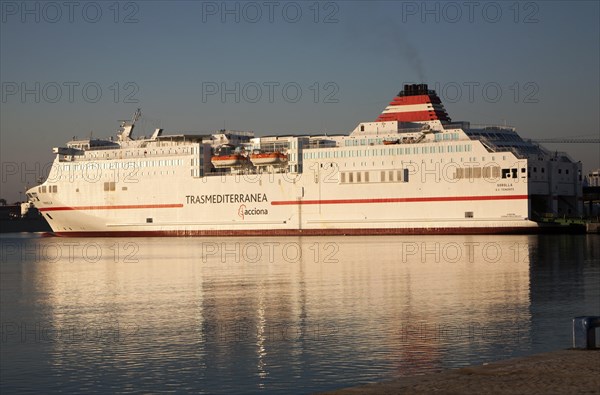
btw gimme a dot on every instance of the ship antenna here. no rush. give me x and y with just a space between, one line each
127 127
137 115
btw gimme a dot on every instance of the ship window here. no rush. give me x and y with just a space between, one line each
358 176
468 214
522 170
43 189
391 175
567 171
343 178
559 171
54 188
366 176
350 177
149 220
383 176
543 170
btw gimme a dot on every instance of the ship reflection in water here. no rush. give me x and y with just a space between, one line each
281 315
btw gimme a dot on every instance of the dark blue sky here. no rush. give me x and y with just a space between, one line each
73 68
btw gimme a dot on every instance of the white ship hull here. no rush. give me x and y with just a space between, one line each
280 204
449 183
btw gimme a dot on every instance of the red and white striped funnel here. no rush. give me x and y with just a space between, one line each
415 104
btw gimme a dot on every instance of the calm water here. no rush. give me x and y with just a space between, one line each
280 315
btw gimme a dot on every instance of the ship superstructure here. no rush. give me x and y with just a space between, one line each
412 171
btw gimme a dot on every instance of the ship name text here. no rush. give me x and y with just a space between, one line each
227 198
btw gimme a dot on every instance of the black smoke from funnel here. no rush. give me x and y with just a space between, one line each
412 55
385 37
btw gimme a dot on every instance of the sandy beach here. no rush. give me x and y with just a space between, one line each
559 372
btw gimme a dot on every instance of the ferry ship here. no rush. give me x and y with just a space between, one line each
411 171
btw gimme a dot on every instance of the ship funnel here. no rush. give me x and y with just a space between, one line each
416 103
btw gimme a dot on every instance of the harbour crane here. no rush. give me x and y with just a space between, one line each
567 140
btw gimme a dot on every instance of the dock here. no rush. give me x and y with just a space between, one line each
592 227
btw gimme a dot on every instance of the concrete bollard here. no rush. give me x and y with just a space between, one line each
584 335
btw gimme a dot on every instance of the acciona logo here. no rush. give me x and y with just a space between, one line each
243 211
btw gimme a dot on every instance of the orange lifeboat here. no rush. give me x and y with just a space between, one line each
268 158
233 160
227 156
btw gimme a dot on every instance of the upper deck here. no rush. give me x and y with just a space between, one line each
399 125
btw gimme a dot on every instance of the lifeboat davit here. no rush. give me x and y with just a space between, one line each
268 158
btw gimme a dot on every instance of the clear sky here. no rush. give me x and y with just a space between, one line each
73 68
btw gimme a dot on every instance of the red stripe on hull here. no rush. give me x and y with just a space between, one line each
331 232
275 203
117 207
399 200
